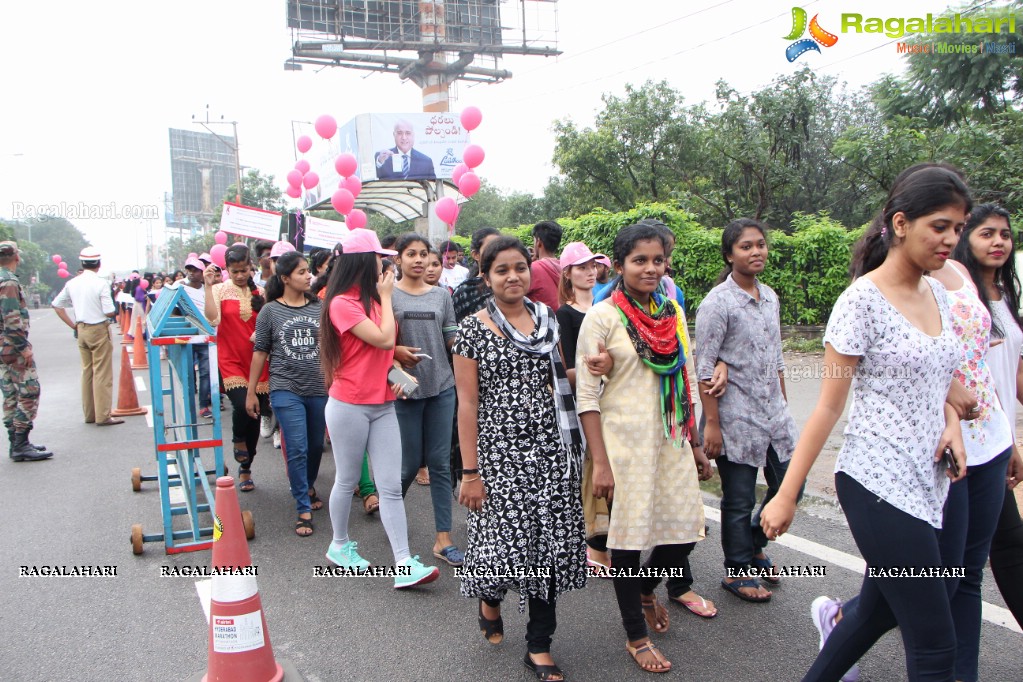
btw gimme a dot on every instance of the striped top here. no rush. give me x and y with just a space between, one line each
291 336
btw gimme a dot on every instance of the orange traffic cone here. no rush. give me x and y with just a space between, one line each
126 331
127 398
120 322
239 644
139 358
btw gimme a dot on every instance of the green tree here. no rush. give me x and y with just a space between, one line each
50 235
258 191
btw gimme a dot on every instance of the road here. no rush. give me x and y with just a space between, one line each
78 508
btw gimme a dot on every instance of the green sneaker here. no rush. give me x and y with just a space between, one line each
345 556
416 575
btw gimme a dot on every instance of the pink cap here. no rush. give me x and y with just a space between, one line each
194 262
281 248
578 253
361 240
604 260
206 257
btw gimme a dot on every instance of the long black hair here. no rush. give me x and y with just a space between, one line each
499 245
1005 277
286 265
349 270
919 190
729 236
476 247
317 258
240 254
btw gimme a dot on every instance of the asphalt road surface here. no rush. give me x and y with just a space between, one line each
78 508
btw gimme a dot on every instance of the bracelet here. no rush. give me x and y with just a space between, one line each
470 471
470 480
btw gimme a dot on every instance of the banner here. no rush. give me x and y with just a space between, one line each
422 146
323 233
250 222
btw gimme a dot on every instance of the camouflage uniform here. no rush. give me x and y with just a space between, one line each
18 378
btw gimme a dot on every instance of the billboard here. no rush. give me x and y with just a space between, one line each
202 168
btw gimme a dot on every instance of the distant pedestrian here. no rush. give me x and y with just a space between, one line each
87 294
18 379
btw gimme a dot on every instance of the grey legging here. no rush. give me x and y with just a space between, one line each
372 429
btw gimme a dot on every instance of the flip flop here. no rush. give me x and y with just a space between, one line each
692 606
766 565
654 613
735 586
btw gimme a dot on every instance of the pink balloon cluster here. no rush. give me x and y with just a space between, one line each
343 199
61 266
300 177
463 175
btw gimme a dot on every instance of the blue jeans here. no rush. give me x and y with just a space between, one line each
742 537
426 440
302 428
202 361
971 515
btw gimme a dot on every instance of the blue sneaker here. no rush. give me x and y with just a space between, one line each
345 556
823 611
416 575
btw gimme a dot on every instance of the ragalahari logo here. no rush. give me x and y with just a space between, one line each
818 35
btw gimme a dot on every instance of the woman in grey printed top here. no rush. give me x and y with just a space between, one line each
748 427
288 332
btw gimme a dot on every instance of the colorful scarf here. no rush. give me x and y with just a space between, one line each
661 345
544 341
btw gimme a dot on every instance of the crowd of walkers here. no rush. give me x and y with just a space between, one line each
554 392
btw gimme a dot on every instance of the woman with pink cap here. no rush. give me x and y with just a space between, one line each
356 359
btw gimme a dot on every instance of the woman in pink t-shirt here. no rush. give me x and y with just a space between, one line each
357 336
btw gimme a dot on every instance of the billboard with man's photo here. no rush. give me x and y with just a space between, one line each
419 146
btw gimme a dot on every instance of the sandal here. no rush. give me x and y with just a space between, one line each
246 485
371 507
656 615
493 630
736 585
452 555
242 457
423 478
544 672
663 664
303 524
766 568
315 503
699 607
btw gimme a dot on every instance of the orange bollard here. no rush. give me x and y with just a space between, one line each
126 330
127 398
139 359
239 644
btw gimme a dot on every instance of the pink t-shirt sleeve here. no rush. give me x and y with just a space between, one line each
346 312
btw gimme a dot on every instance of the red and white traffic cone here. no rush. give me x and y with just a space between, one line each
239 644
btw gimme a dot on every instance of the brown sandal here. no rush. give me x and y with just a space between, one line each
656 615
663 664
371 507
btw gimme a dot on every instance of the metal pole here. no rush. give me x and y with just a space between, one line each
237 164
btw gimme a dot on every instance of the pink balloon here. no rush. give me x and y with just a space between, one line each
447 210
353 184
302 166
62 266
469 184
293 192
224 276
460 170
325 126
310 180
346 165
471 118
342 201
56 258
295 178
63 274
217 254
144 284
304 143
355 219
220 237
473 155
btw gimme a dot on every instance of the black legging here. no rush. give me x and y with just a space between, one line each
245 429
1007 556
630 591
543 621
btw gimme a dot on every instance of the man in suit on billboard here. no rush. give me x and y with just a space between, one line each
402 162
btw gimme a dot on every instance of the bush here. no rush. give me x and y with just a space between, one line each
807 268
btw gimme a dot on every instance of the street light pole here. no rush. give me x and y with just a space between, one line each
233 147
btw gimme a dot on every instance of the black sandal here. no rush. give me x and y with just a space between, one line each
244 459
544 673
493 630
315 503
302 524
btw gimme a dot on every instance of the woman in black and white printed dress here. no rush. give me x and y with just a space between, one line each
521 483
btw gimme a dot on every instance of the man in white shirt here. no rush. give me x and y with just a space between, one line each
453 274
194 288
89 296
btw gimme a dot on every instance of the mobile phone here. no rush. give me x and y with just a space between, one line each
407 383
422 356
950 461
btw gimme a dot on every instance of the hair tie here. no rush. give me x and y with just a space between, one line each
884 231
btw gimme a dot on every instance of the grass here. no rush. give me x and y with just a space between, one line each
802 345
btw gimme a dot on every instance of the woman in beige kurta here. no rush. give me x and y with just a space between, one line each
656 499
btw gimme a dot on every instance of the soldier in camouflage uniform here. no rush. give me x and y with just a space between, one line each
18 378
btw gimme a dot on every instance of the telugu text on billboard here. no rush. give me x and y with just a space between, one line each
422 146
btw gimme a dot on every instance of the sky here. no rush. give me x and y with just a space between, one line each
92 88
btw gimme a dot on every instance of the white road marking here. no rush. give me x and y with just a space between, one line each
140 384
991 612
149 415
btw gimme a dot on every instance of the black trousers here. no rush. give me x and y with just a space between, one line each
244 428
543 621
630 590
1007 556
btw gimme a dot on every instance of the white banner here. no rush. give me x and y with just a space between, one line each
250 222
323 233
